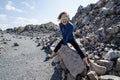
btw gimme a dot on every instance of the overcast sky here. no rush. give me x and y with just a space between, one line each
14 13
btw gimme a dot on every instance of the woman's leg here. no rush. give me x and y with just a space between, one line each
76 46
56 49
82 55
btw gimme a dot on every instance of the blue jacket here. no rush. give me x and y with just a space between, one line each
67 32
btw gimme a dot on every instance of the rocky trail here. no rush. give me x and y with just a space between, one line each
20 59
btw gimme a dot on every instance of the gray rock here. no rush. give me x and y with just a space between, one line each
100 70
109 77
104 11
92 75
111 55
80 9
4 42
110 4
100 3
106 63
15 44
72 60
69 77
77 34
113 72
118 10
86 20
96 57
101 34
113 30
117 66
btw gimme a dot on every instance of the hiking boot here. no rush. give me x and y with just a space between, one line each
47 58
88 68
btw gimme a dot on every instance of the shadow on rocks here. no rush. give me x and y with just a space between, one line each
57 75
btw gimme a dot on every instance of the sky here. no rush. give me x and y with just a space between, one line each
15 13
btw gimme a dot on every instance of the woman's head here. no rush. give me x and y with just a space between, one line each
63 17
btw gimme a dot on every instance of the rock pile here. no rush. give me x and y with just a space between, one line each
35 30
99 24
98 27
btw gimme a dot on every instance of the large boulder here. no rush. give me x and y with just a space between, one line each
71 60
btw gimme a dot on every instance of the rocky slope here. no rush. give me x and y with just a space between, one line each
99 24
98 28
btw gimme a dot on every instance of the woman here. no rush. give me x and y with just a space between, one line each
66 28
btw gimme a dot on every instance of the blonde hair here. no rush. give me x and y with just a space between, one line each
63 13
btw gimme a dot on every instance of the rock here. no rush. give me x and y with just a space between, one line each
109 77
92 75
80 9
106 63
70 77
37 38
96 57
117 66
111 55
113 72
91 56
77 33
15 44
113 30
38 45
9 30
72 60
86 20
101 3
104 11
4 42
118 10
100 70
101 34
20 37
110 4
56 60
1 47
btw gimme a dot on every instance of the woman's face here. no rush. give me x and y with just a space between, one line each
64 19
